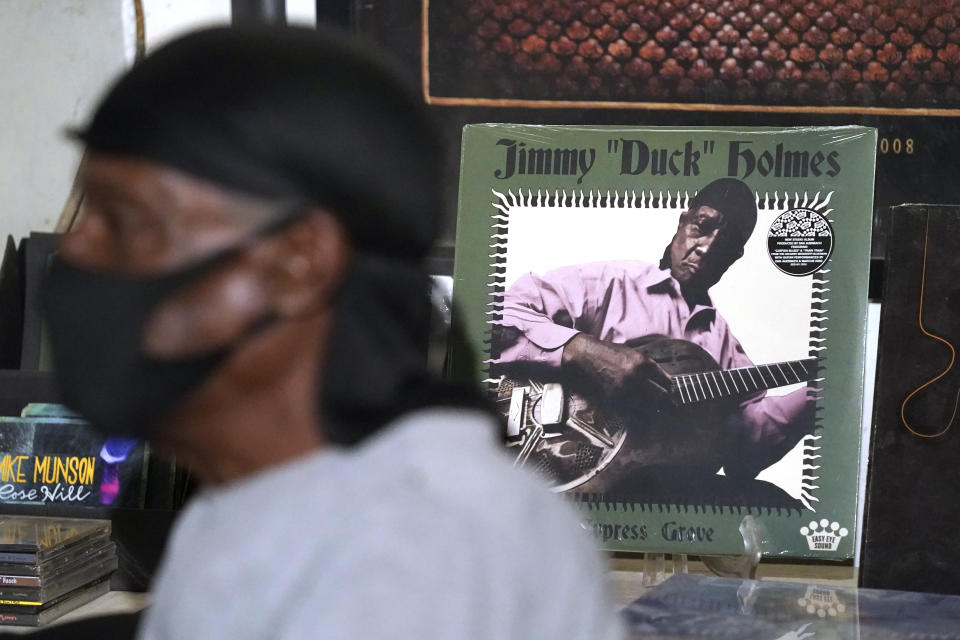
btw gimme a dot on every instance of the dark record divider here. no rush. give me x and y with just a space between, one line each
909 519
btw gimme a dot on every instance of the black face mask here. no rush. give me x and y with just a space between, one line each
96 323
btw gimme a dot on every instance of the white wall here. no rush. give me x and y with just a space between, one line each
165 19
55 58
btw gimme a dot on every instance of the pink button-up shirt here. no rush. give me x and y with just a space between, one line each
620 301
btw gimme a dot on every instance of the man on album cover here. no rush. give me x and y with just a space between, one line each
246 290
579 319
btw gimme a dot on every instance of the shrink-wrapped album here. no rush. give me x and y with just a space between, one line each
689 606
49 459
671 323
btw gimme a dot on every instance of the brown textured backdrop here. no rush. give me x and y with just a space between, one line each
887 53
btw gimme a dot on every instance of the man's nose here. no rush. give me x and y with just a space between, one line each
705 242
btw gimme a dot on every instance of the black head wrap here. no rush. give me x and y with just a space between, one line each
286 113
734 199
312 116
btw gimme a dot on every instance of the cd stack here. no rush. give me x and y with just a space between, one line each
50 566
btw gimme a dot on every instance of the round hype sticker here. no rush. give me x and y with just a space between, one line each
800 241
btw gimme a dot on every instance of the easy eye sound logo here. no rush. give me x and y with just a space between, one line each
823 535
821 602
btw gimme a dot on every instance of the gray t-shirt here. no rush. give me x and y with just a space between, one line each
425 531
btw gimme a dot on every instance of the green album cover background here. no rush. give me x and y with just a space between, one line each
537 198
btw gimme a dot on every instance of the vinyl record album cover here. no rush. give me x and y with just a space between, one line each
63 461
909 517
672 324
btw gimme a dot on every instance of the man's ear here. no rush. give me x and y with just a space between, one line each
307 264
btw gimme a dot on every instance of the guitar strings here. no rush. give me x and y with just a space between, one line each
953 354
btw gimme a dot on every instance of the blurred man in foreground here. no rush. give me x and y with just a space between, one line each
246 290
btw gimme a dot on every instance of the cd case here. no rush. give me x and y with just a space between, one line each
25 589
59 562
33 616
33 540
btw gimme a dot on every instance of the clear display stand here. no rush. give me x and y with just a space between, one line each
742 566
657 567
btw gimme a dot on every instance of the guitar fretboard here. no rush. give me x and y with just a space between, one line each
690 388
